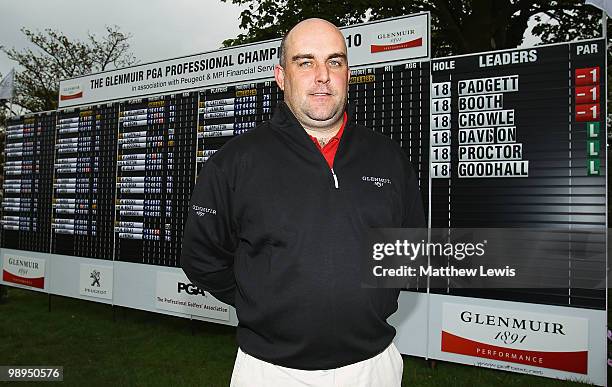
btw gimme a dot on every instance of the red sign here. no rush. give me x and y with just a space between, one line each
587 112
33 282
587 94
72 96
390 47
565 361
587 76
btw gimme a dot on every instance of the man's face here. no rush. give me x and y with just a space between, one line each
316 73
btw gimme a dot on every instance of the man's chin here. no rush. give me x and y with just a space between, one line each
323 121
324 117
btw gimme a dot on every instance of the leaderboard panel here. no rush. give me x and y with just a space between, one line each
28 174
227 111
394 101
516 141
155 169
84 182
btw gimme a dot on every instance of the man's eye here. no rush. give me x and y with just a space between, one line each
335 63
305 64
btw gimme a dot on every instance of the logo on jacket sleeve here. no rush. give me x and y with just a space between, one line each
377 181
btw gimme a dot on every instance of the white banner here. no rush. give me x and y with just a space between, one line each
24 271
386 41
7 86
540 340
96 281
177 294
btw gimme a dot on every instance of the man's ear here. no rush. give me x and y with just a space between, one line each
279 76
348 77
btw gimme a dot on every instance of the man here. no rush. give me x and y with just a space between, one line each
276 222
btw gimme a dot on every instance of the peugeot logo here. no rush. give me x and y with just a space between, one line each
95 275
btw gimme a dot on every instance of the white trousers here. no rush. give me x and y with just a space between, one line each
382 370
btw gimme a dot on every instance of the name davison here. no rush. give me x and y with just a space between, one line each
450 271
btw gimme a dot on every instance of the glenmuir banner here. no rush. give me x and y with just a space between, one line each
539 340
24 271
73 91
399 39
96 281
177 294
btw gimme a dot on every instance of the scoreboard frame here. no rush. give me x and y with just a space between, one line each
146 286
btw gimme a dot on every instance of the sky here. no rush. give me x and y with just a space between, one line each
161 29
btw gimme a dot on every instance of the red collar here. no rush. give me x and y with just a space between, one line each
329 150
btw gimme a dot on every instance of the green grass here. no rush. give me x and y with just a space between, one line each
148 349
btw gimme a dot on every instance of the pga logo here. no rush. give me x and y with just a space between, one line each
190 289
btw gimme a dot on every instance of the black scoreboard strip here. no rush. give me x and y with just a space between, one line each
503 139
155 162
84 181
27 188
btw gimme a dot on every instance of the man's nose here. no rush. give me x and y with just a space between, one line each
322 74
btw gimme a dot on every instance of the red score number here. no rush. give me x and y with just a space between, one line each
587 112
587 94
587 76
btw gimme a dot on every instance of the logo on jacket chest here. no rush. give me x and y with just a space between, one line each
377 181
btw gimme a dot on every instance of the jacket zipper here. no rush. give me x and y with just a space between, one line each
335 178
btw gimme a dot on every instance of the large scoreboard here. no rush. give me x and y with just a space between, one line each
518 140
505 139
502 139
510 136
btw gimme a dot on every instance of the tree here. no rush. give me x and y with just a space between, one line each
55 57
458 26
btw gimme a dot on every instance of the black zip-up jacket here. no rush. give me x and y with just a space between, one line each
273 232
